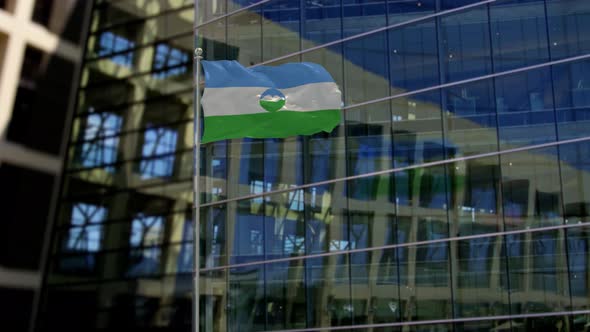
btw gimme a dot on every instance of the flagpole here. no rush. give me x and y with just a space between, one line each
196 192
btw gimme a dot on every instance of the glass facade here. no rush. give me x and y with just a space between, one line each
454 195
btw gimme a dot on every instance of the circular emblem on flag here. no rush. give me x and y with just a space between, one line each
272 100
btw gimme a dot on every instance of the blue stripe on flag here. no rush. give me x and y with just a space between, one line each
223 74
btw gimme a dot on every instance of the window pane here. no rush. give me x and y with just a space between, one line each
525 115
470 119
280 27
413 57
519 34
531 189
572 99
465 44
568 21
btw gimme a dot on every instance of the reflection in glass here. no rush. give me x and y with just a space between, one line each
537 272
519 34
100 145
465 40
366 66
84 237
531 189
280 27
110 43
413 57
158 146
572 99
525 115
169 61
146 235
568 21
471 118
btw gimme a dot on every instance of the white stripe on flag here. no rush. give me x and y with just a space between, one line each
245 100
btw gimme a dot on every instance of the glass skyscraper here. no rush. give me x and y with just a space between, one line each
454 195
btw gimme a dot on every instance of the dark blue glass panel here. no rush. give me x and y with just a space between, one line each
366 68
519 34
569 23
572 99
363 15
578 249
470 119
525 115
413 57
404 10
451 4
465 44
321 22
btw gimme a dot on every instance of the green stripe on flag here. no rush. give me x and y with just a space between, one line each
269 125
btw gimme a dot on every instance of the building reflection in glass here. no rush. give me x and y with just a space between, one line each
466 232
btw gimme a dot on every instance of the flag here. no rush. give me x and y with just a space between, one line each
268 101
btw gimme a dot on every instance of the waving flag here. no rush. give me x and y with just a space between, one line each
268 102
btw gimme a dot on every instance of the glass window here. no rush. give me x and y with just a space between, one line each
280 28
478 271
568 22
363 15
322 23
427 294
470 119
158 153
413 57
366 68
519 34
537 273
476 196
465 45
531 189
404 10
110 43
246 302
575 177
100 144
285 293
84 237
169 61
572 99
85 233
525 115
369 149
146 236
243 33
578 254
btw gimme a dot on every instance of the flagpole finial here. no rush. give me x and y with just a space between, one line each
198 53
